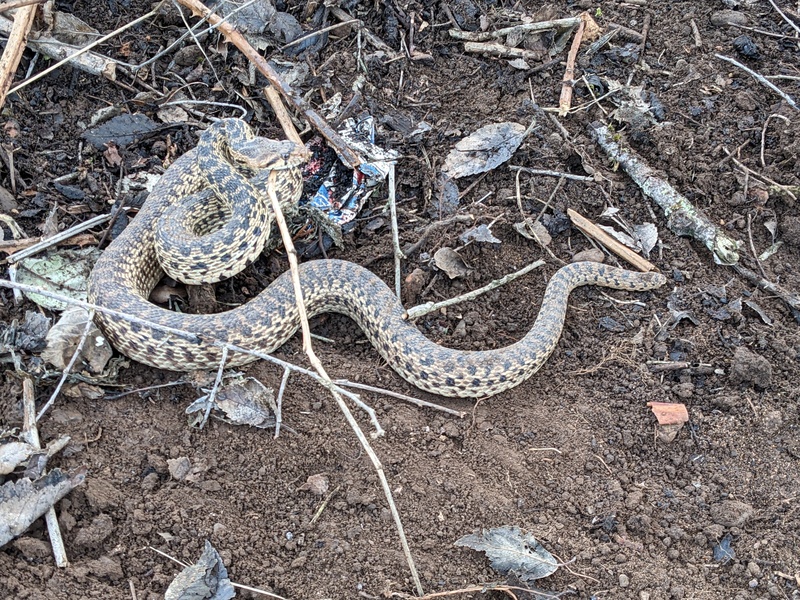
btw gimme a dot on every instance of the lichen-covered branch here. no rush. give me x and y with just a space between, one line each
683 218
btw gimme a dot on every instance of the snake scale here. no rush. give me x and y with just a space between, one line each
129 269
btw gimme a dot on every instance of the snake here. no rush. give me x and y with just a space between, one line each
129 268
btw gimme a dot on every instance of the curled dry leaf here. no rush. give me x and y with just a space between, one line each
484 150
64 336
449 261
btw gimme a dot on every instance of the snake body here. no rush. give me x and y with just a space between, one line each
129 269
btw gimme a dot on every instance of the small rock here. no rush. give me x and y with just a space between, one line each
106 567
32 548
722 18
179 467
66 416
731 513
748 367
624 580
592 255
753 569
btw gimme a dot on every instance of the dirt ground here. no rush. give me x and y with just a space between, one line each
572 455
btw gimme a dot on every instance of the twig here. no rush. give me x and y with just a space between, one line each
500 50
610 472
17 4
312 357
550 173
761 79
568 82
212 396
57 238
31 435
645 32
423 309
83 50
317 32
594 232
783 188
764 134
785 18
485 36
68 370
398 253
411 399
279 401
698 40
283 116
15 46
752 245
373 39
350 157
682 217
790 298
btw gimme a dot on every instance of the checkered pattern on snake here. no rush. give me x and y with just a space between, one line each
129 269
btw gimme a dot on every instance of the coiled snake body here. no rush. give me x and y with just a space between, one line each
129 269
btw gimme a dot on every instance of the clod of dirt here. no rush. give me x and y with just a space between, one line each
93 534
33 549
750 368
106 567
731 513
791 230
316 484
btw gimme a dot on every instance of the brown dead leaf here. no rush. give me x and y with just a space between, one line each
112 155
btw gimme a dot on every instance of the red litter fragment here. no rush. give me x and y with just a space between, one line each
669 413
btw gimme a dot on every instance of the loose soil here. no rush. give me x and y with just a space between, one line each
573 455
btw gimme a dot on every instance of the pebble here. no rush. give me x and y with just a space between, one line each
624 581
723 18
179 467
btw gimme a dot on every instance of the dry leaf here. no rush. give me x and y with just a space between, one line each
669 413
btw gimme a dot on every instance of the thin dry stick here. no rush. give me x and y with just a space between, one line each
783 188
484 36
237 39
761 79
565 102
312 357
31 435
411 399
279 402
213 394
785 18
68 370
764 134
18 3
593 231
549 173
423 309
398 253
15 46
83 50
59 237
